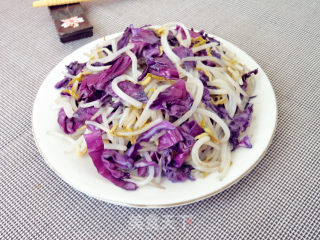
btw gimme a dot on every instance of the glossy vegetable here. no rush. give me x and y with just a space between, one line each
157 102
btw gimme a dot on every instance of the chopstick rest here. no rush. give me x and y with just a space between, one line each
71 22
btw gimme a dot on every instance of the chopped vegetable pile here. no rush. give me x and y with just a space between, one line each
157 102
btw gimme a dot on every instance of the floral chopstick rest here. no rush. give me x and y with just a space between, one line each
70 22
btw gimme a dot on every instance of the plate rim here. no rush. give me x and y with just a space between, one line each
169 205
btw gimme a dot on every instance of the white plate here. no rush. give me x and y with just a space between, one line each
81 174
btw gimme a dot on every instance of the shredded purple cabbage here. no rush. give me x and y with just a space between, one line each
239 124
174 174
175 100
245 142
105 161
133 90
173 144
246 76
170 138
70 125
162 66
183 52
74 68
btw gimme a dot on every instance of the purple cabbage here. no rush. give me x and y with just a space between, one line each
106 162
162 66
180 141
192 128
216 54
118 159
183 52
151 51
118 68
142 171
139 36
146 36
100 81
114 170
240 123
245 142
180 29
209 39
173 41
143 74
180 174
220 110
74 68
124 40
146 44
133 90
132 152
108 90
194 34
174 174
63 83
246 76
70 125
170 138
183 150
143 39
188 130
144 163
204 79
175 100
106 96
162 126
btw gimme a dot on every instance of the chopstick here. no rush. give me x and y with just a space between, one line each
46 3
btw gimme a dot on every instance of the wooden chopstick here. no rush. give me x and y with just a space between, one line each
46 3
